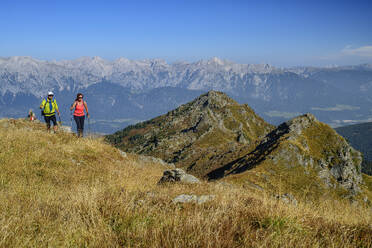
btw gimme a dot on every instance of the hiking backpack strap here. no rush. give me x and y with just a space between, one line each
50 104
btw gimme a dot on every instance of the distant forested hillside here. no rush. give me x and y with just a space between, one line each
360 137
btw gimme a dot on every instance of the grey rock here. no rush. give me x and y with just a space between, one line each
177 175
241 139
123 154
255 186
193 199
325 176
296 125
346 172
187 178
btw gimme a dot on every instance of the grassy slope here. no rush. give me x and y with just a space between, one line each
288 176
57 190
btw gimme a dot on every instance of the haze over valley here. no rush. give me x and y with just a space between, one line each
123 91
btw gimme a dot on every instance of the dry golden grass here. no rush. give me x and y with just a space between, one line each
60 191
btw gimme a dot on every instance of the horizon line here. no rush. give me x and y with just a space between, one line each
213 58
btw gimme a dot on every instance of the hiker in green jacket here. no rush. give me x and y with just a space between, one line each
49 107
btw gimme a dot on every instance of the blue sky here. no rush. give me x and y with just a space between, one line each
282 33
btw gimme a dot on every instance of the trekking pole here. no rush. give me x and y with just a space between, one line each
89 127
71 119
89 131
59 118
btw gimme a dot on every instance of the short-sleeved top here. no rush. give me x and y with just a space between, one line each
79 109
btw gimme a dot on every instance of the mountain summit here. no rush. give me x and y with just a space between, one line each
215 137
191 135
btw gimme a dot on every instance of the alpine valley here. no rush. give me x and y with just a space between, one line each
124 92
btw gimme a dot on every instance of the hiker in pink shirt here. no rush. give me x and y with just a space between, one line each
79 115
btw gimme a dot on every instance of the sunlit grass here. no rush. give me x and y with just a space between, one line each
60 191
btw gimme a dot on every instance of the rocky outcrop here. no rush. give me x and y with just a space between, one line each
304 141
177 175
346 170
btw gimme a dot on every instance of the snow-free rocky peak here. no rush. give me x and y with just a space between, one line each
308 144
215 137
188 136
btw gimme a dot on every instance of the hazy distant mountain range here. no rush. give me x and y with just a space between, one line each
124 91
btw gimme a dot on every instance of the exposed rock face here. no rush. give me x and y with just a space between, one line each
191 135
177 175
296 125
346 170
309 143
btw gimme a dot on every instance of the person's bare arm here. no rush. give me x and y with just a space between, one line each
86 108
73 106
57 109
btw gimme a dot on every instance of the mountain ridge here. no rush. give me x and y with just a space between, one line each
185 132
98 69
305 142
335 96
215 137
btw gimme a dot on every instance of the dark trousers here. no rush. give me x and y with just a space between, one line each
79 122
49 119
